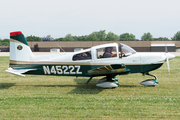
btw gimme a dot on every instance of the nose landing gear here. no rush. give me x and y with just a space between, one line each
150 82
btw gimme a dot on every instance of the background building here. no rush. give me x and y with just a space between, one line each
70 46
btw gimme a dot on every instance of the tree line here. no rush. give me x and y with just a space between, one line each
101 36
4 42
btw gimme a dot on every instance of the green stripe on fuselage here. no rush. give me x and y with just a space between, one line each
78 70
143 68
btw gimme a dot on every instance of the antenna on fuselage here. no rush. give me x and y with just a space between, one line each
61 48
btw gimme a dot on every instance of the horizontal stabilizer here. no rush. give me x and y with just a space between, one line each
18 72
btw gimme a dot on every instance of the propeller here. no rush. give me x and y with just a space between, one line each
167 60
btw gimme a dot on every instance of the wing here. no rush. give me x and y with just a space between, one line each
18 72
113 69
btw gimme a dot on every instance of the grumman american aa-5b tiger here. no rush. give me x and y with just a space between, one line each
108 60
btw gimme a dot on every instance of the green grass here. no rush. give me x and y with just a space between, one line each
52 97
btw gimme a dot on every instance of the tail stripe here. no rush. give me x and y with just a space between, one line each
15 33
19 37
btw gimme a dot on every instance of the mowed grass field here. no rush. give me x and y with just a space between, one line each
53 97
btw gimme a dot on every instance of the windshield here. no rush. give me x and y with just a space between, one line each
126 49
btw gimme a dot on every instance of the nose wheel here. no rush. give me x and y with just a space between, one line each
150 82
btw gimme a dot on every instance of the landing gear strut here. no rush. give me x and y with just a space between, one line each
150 82
150 75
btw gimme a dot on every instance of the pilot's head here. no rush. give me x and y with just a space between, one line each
108 49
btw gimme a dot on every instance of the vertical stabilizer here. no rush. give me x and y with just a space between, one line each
19 48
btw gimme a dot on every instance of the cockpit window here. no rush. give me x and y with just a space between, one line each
106 52
82 56
126 50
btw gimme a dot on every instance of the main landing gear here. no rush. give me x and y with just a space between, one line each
107 82
149 82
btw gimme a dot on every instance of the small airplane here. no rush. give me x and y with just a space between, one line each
108 60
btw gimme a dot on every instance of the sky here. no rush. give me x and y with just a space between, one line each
82 17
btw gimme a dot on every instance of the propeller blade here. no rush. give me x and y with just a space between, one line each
167 60
166 48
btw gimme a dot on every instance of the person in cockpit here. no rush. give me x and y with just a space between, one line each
108 52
